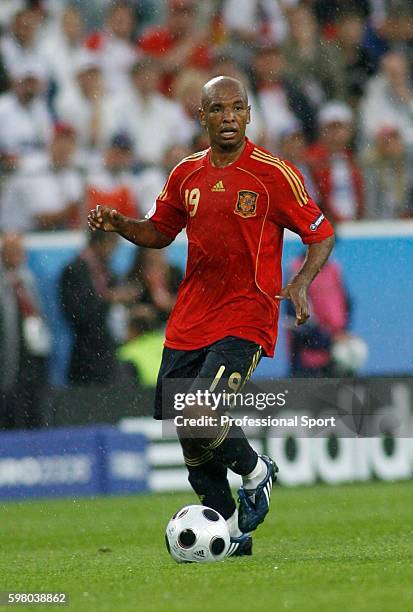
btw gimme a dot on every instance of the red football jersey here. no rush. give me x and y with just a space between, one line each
235 219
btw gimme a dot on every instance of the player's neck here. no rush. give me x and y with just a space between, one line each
221 158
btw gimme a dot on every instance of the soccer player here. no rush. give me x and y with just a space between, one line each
234 199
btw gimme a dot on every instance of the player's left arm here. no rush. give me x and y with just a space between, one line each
296 290
299 213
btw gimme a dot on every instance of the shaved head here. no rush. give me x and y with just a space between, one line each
222 84
225 113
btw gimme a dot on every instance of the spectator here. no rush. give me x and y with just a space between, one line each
4 77
200 142
8 344
114 45
311 344
388 176
253 23
87 292
8 11
275 90
389 99
293 147
179 43
85 105
46 193
60 47
328 11
143 348
310 60
26 337
94 12
154 282
352 59
24 117
186 88
336 173
149 181
145 114
173 156
393 21
20 44
118 181
112 183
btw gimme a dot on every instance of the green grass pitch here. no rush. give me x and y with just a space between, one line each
345 548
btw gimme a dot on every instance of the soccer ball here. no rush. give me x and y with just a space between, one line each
197 534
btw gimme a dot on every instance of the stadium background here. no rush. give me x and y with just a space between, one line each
126 76
330 84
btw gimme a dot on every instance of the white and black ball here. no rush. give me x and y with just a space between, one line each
197 534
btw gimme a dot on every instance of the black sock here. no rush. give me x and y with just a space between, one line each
209 481
235 451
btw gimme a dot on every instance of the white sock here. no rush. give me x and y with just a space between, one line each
251 481
232 522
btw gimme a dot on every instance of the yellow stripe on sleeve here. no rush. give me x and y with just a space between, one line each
293 179
291 172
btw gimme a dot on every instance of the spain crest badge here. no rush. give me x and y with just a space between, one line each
246 205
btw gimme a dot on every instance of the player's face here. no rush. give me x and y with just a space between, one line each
225 116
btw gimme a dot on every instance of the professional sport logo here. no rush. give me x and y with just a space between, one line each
246 205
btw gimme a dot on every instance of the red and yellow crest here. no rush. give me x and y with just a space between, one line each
246 205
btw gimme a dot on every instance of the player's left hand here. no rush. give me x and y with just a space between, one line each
296 291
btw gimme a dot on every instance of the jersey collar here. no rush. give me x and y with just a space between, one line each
246 153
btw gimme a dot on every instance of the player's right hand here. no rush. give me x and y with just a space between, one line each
104 218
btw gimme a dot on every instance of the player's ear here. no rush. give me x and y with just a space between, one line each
202 119
249 114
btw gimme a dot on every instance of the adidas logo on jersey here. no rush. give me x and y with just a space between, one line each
218 186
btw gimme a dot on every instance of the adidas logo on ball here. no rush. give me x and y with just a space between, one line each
199 553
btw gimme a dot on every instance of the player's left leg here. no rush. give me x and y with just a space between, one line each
228 364
210 483
208 479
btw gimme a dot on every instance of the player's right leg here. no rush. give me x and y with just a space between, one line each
254 495
228 363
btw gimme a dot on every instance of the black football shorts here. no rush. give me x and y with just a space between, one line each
223 366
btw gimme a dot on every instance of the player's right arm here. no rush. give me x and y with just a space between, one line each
161 225
141 232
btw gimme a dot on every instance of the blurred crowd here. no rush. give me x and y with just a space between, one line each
99 100
116 323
